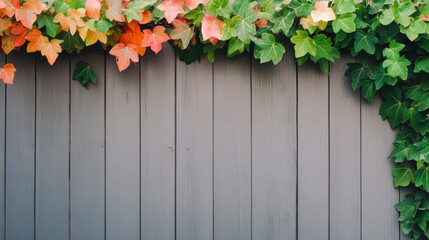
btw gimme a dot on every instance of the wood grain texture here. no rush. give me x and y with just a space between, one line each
345 157
2 153
232 148
379 217
88 152
158 145
194 163
274 150
52 149
20 162
313 153
122 152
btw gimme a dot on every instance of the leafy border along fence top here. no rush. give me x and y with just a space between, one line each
388 38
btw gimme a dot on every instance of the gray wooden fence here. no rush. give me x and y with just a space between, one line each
224 151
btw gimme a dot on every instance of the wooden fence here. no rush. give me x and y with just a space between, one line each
224 151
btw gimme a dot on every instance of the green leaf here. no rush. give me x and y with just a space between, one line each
323 48
365 41
103 25
303 44
196 15
422 179
422 221
392 107
357 72
387 17
416 120
397 67
268 49
283 20
402 12
380 76
344 6
235 47
71 43
401 152
47 22
345 23
403 176
219 7
245 26
302 8
368 90
392 52
421 150
84 74
422 64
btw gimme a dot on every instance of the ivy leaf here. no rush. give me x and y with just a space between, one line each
70 42
401 151
403 176
422 222
245 26
423 178
283 20
84 74
380 76
407 208
171 8
155 38
422 64
344 6
397 67
268 49
196 15
368 90
51 50
392 107
303 44
124 54
7 73
357 72
416 120
365 41
235 47
392 52
421 150
47 22
345 22
103 25
219 7
182 31
323 48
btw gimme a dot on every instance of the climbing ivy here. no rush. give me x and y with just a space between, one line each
389 40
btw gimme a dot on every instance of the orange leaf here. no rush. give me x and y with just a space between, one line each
94 36
146 17
133 35
5 24
7 73
322 12
51 49
155 39
114 10
2 4
172 8
7 43
36 40
211 29
261 23
192 4
73 20
11 7
124 53
93 8
34 5
19 32
26 16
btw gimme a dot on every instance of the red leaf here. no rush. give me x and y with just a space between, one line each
124 53
93 8
7 73
192 4
172 8
211 29
155 39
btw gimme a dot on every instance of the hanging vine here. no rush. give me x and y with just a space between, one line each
388 38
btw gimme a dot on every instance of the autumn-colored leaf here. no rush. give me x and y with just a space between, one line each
124 54
35 40
51 50
2 4
182 31
34 5
192 4
261 23
323 12
7 43
7 73
5 24
133 35
211 29
114 10
19 32
155 39
147 17
94 36
93 8
73 20
26 16
11 7
172 8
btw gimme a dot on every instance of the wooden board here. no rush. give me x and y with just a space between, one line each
379 217
194 162
20 149
2 153
345 156
232 148
87 151
158 145
122 152
52 149
313 153
274 150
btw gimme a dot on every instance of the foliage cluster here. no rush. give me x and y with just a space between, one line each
388 38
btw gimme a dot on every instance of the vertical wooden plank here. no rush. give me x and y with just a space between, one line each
158 145
232 148
2 153
313 153
274 150
122 152
345 164
379 217
20 136
88 153
52 149
194 189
